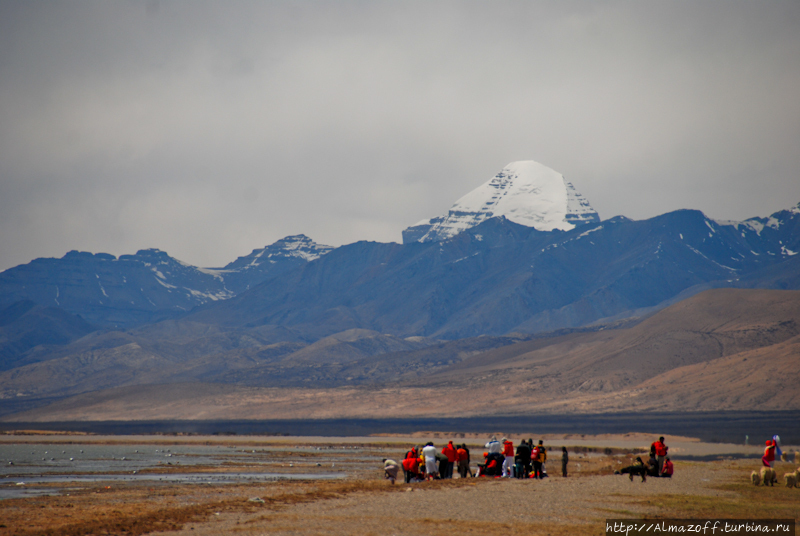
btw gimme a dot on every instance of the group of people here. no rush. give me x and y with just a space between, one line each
658 465
526 461
426 463
500 460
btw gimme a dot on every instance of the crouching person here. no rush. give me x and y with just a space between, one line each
668 469
390 468
411 465
638 468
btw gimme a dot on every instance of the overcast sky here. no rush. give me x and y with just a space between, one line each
208 129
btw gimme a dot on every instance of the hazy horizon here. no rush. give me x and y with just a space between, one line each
210 129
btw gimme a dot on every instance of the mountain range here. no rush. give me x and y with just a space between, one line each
146 287
720 350
521 259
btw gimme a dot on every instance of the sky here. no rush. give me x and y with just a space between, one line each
209 129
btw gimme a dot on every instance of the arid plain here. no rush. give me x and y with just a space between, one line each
711 480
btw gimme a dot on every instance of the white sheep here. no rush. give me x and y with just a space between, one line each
790 479
756 478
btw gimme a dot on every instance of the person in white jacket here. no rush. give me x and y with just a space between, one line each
494 446
429 452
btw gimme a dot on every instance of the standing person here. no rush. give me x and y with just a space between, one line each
390 470
462 458
660 452
494 446
542 458
450 451
443 461
466 449
768 459
537 464
429 451
523 458
776 440
508 458
564 461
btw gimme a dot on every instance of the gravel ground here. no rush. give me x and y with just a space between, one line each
474 505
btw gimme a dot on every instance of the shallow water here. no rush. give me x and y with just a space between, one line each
24 466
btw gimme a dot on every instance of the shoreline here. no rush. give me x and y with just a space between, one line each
680 447
711 427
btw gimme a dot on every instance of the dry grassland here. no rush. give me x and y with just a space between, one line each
365 504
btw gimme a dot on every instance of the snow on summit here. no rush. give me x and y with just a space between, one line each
525 192
298 246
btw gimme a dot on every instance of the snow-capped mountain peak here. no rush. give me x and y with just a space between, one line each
295 246
525 192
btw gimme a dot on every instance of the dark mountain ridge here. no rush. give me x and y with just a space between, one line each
500 277
26 327
495 278
147 287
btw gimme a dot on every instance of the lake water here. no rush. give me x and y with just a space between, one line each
24 466
727 427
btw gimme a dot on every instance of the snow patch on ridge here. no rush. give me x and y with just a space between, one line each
296 246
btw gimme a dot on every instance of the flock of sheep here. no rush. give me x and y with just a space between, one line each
768 476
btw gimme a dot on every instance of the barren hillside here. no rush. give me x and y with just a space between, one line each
723 349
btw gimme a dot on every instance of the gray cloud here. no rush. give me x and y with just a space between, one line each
210 129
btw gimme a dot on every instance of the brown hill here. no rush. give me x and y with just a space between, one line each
702 328
724 349
764 378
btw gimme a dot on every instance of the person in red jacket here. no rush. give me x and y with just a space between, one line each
668 469
768 459
508 458
489 467
450 451
462 459
411 464
660 452
537 464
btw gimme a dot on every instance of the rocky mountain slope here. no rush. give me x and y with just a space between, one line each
146 287
499 277
28 330
724 349
282 256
